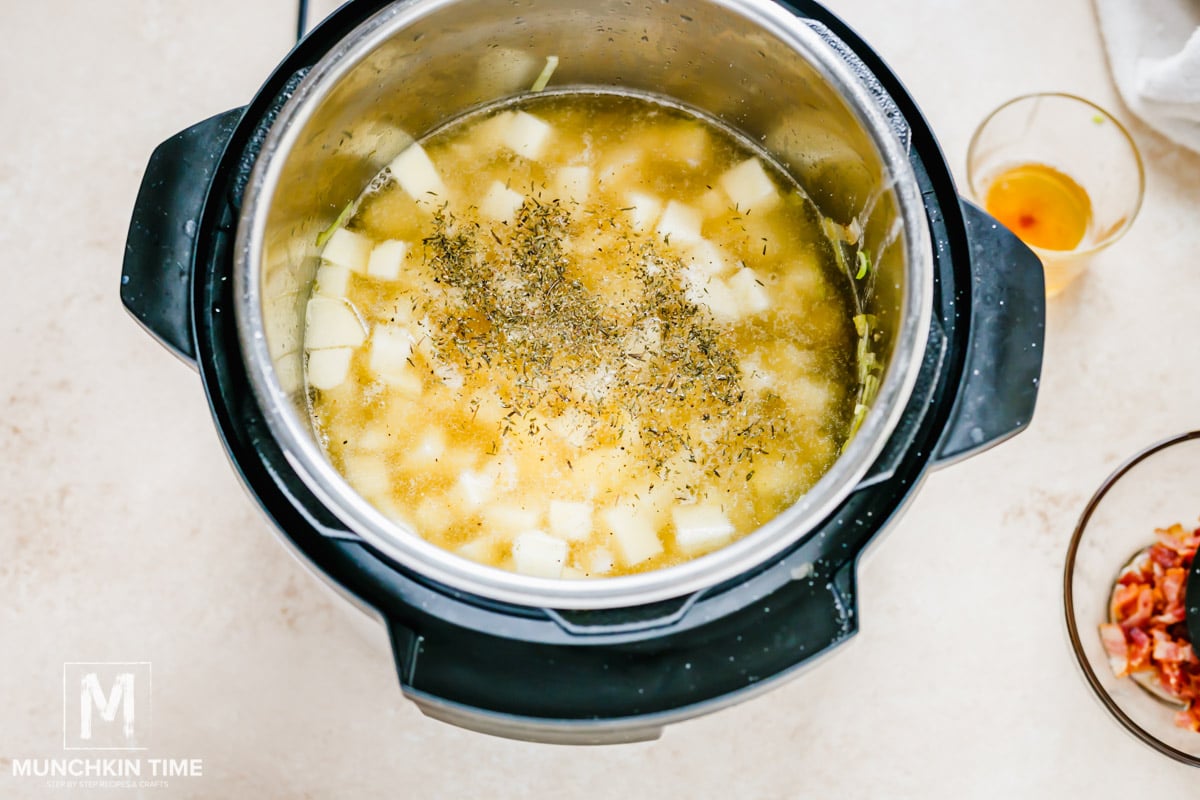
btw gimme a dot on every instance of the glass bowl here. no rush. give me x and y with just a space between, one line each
1154 489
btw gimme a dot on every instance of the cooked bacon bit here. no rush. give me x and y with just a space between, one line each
1147 631
1114 644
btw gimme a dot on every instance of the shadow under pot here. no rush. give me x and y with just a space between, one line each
223 253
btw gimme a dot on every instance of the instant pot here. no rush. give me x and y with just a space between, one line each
222 253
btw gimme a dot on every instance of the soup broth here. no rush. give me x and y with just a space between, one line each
581 335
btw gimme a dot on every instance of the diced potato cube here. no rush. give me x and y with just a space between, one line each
503 472
386 259
368 474
807 396
643 210
713 203
489 134
539 555
701 527
526 135
332 280
509 518
391 355
600 561
750 293
500 202
427 450
749 186
485 549
289 371
476 488
572 426
347 249
620 167
327 369
331 323
417 176
707 257
755 376
680 224
572 184
714 294
633 536
573 573
433 515
571 521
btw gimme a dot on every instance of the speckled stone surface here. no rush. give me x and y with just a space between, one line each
125 536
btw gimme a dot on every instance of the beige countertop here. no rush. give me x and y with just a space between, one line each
125 535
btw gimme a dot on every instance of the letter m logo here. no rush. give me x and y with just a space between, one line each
106 706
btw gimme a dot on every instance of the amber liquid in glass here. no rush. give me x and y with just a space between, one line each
1043 206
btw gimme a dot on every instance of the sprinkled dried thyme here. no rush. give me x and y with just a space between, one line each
634 368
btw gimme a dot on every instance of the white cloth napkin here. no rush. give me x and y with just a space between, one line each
1154 53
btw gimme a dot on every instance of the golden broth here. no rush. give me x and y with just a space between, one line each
581 335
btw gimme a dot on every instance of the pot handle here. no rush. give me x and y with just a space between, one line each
998 391
160 248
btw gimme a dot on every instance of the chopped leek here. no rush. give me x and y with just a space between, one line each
864 265
543 77
324 235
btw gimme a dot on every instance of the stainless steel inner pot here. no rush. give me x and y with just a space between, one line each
783 81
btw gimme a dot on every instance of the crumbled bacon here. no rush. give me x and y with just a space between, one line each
1147 632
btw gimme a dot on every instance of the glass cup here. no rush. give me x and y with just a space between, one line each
1062 174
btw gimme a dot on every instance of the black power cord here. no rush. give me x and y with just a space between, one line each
301 19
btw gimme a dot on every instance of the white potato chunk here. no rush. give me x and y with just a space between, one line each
332 280
750 293
713 203
427 450
680 224
327 369
434 514
476 488
707 257
755 376
539 555
749 186
484 549
331 323
418 176
509 518
572 184
712 293
643 210
489 134
289 371
526 135
391 353
500 202
701 527
600 561
633 535
347 249
571 521
573 426
368 474
386 259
